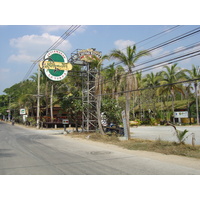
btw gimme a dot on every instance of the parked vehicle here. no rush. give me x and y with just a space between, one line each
114 129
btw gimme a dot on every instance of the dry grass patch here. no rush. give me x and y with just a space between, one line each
159 146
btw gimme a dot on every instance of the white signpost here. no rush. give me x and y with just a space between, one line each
65 121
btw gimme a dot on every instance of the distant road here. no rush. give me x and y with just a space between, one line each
29 151
165 133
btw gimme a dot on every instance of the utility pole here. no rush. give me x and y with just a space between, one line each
38 99
197 99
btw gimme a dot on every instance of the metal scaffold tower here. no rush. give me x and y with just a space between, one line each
89 114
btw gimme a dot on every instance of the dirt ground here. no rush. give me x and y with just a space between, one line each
179 160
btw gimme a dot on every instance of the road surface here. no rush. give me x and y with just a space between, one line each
35 152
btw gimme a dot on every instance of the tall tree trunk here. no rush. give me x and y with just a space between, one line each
98 89
173 106
197 103
128 98
128 114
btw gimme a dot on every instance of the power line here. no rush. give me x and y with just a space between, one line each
173 40
160 64
196 44
51 47
54 45
39 58
153 87
176 59
153 36
161 33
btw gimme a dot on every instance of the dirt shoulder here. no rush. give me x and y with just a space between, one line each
179 160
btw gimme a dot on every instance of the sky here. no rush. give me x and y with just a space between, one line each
20 45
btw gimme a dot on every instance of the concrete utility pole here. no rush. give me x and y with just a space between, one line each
38 99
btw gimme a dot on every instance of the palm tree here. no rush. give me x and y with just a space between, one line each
112 79
97 64
172 75
109 75
195 74
139 93
151 80
128 59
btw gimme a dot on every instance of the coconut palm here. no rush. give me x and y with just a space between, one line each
109 76
195 74
152 80
172 75
113 79
139 93
97 63
128 59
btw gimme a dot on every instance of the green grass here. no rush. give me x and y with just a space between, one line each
159 146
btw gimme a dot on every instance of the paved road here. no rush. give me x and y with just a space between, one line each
165 133
25 151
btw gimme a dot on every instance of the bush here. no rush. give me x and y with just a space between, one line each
31 120
153 121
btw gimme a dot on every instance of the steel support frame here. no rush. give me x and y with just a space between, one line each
89 115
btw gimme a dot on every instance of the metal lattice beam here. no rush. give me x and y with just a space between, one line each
89 115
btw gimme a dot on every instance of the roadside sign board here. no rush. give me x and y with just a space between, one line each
181 114
65 121
57 66
22 111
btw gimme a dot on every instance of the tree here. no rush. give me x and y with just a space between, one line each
151 80
128 59
97 63
21 95
195 74
172 75
113 81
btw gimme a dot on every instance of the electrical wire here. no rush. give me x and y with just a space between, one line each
51 47
153 87
176 59
154 36
66 34
173 40
160 64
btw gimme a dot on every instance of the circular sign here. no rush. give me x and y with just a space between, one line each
56 74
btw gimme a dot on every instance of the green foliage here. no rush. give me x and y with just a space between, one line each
31 120
111 110
153 121
168 115
4 101
160 115
181 136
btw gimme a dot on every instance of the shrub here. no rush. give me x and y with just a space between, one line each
153 121
32 121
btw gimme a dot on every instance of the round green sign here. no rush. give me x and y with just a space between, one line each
56 74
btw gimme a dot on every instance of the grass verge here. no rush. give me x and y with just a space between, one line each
159 146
